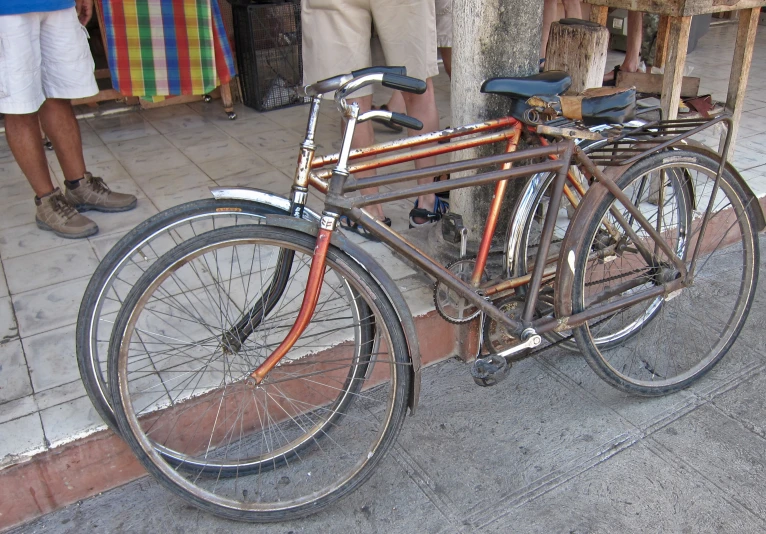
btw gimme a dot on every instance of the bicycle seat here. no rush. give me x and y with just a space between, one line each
551 83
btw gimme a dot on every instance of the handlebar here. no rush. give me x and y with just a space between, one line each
330 85
394 81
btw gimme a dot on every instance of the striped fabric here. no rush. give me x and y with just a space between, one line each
158 48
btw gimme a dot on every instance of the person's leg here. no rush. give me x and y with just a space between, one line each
549 14
633 48
635 35
423 108
396 103
59 122
23 135
364 136
572 9
446 54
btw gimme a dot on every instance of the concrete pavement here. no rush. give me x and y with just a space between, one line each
551 449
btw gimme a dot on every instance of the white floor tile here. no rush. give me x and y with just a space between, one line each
14 377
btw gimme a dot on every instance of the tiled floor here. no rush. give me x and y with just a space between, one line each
172 155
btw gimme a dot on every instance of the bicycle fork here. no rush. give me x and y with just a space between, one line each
310 298
316 273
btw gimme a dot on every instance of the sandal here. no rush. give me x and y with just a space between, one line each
444 195
440 208
390 125
613 81
347 224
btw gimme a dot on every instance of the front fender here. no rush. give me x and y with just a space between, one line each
368 263
258 196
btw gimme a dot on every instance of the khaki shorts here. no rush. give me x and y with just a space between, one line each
336 36
444 23
43 55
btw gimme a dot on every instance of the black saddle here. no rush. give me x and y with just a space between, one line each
551 83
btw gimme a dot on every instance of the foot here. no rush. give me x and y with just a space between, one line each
56 214
91 193
421 216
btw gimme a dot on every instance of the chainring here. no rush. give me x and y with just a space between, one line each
496 336
452 306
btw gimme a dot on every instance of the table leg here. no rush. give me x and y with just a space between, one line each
228 103
661 50
740 68
678 41
599 14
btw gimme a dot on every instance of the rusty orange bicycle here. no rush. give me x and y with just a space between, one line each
261 371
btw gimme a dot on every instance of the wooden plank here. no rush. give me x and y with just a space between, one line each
106 94
678 42
661 50
599 15
645 82
677 8
740 68
170 101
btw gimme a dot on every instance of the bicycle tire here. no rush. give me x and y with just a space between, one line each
341 394
694 327
520 255
90 344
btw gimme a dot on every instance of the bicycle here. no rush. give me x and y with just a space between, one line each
299 411
137 250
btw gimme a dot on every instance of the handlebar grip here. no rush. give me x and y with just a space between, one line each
401 71
408 122
404 83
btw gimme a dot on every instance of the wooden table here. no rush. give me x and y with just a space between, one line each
673 40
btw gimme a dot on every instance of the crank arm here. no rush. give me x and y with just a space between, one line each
532 342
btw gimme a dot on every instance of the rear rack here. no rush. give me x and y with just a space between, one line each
627 145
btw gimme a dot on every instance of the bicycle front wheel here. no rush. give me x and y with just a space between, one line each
130 257
681 336
312 431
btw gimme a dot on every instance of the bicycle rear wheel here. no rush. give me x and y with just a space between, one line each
312 431
689 330
130 257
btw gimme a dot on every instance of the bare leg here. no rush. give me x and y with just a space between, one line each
446 53
364 136
396 102
633 52
59 122
635 34
572 9
549 13
423 108
23 135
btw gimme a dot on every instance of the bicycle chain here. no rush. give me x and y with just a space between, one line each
615 277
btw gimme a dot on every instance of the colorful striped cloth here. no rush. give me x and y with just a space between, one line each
158 48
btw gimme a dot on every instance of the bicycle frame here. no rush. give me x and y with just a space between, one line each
557 157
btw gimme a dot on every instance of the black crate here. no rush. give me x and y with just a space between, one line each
268 43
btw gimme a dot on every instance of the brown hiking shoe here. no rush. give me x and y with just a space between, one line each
91 193
57 215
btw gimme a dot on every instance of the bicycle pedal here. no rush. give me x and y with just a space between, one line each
452 226
490 371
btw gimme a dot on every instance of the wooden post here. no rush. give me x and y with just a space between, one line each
661 50
740 68
678 41
482 50
599 14
580 50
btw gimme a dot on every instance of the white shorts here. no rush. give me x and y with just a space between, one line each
444 23
336 37
43 55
